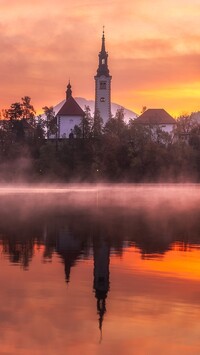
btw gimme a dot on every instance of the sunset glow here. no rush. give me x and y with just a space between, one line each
153 302
153 51
180 262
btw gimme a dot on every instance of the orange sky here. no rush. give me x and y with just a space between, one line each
154 51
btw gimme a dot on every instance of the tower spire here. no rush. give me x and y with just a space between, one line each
103 58
101 310
103 48
68 91
103 84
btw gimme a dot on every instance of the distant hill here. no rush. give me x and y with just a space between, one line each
83 102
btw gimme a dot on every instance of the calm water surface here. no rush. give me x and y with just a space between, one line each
100 270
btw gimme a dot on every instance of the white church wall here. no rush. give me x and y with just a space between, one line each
103 101
66 124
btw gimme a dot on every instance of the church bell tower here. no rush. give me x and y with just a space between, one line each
103 85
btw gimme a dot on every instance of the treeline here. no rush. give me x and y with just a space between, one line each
116 152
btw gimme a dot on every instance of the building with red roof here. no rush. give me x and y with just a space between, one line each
157 118
69 115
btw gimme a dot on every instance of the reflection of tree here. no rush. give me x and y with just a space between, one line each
152 238
20 253
72 232
18 241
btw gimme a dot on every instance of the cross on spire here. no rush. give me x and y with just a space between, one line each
103 49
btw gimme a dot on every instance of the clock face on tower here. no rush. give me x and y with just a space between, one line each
103 61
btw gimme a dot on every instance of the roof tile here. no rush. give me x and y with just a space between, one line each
155 116
70 108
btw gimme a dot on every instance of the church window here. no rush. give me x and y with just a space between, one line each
102 85
103 61
102 99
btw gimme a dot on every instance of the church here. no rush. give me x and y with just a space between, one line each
71 114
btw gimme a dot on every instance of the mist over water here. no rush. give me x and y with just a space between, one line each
87 258
131 196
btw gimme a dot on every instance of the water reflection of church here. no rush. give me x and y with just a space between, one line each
71 249
78 235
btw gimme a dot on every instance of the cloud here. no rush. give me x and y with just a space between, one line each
157 72
151 46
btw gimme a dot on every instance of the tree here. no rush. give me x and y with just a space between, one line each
139 135
6 137
28 111
78 131
97 125
15 111
185 124
51 123
39 128
116 125
86 123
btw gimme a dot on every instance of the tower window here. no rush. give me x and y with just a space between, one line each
103 61
102 85
102 99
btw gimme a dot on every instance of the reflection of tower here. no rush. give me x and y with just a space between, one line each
103 85
101 276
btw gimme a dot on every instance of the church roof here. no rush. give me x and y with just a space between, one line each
70 108
155 116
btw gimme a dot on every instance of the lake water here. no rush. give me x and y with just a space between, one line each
100 270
